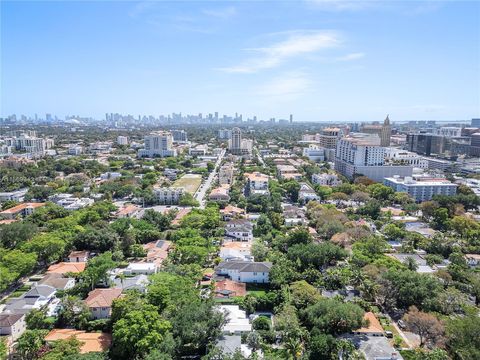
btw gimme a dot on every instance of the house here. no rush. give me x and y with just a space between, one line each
373 327
37 297
99 301
293 216
227 288
420 261
245 271
12 325
157 251
78 256
326 180
220 194
306 193
237 320
257 183
90 342
128 211
17 195
22 210
348 293
137 268
57 281
240 229
374 347
236 250
473 260
66 267
138 282
231 212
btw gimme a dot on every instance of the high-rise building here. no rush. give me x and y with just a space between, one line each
329 137
421 189
179 136
383 131
291 118
361 154
427 144
235 144
476 123
224 134
158 144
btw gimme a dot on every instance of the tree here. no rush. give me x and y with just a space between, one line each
254 341
315 255
97 239
194 326
321 346
292 189
462 336
73 312
380 191
3 349
303 294
63 348
262 323
18 261
333 316
138 333
187 199
161 221
48 246
30 343
440 219
299 236
426 326
371 209
97 269
15 234
37 319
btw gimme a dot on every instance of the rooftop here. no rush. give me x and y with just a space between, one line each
65 267
102 297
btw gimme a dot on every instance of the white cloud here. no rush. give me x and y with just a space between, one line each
351 57
288 86
297 43
223 13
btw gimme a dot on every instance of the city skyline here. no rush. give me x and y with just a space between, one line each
320 60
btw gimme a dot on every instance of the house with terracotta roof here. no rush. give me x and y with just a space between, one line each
79 256
220 194
13 325
372 326
128 211
20 210
91 342
231 212
66 267
99 301
157 251
227 288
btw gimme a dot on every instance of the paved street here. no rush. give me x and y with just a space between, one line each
201 192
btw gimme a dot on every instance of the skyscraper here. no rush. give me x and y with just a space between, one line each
383 131
235 144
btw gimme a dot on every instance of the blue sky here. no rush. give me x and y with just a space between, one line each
320 60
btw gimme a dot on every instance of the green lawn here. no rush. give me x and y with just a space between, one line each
190 182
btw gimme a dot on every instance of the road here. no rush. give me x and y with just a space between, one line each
202 190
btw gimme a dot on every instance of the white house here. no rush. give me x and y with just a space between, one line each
13 325
240 229
238 250
78 256
306 193
137 268
245 271
326 179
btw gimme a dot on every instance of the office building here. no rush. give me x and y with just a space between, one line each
158 144
476 123
421 189
384 131
361 154
426 144
179 136
122 140
449 131
224 134
329 137
314 153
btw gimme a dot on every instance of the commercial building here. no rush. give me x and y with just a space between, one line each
403 157
384 131
314 153
361 154
329 137
449 131
421 189
426 144
158 144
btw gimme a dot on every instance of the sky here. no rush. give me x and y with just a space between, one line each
320 60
